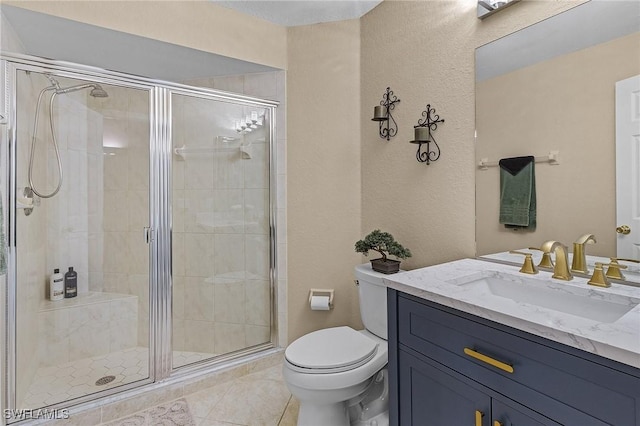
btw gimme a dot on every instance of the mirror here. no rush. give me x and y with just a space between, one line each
551 88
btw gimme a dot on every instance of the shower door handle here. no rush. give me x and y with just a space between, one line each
149 234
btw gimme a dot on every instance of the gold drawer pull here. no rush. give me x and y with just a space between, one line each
479 415
488 360
496 423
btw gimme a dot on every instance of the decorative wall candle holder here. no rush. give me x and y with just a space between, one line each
382 114
423 135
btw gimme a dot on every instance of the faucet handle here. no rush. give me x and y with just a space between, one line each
614 268
546 261
599 278
527 267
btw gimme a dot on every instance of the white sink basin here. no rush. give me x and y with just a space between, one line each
547 294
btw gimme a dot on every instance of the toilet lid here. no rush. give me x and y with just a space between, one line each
331 350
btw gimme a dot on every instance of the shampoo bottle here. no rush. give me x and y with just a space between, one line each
70 283
56 285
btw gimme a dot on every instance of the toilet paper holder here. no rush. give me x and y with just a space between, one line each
322 292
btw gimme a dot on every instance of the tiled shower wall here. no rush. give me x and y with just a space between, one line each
66 230
226 314
224 304
57 233
74 214
74 218
121 258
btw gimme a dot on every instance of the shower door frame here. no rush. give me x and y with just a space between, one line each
158 235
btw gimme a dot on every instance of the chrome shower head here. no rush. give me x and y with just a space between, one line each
98 92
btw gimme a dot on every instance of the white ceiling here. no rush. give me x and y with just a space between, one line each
66 40
291 13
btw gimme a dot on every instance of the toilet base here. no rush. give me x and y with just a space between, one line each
323 415
336 415
372 407
369 408
381 419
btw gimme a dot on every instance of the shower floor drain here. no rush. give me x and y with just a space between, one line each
104 380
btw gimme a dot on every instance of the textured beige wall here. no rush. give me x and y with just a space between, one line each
425 52
197 24
323 171
565 104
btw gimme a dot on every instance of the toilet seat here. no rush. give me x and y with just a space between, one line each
331 350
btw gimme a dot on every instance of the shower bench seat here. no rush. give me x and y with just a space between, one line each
91 324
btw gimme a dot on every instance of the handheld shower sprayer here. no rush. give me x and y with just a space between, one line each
97 92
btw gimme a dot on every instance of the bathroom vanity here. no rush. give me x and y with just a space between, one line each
478 343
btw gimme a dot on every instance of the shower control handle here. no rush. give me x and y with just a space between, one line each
149 234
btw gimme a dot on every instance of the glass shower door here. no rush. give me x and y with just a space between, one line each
220 227
93 142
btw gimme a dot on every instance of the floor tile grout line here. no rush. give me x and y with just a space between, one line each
231 383
286 406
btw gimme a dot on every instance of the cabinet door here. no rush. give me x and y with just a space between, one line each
429 396
510 413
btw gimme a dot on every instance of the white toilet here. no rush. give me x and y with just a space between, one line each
338 374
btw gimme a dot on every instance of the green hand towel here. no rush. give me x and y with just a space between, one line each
518 193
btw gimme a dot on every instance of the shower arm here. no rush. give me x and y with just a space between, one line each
60 91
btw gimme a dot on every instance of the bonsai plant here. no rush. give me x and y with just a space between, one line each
385 244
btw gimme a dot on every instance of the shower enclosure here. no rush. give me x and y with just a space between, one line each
160 197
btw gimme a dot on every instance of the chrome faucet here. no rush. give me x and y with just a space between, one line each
561 267
579 263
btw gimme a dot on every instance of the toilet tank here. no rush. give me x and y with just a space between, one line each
372 294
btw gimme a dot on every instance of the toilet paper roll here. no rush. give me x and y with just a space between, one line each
319 303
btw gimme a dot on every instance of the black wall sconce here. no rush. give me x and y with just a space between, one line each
382 113
423 135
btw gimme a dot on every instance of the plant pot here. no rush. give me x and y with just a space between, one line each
388 266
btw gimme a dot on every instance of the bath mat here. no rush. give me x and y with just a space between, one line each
174 413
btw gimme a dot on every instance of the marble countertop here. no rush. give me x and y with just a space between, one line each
615 338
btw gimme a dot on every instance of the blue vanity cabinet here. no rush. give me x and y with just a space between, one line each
446 366
431 395
442 398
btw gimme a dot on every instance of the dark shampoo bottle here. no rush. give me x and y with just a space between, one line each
70 283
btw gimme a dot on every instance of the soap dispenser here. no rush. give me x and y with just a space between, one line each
70 283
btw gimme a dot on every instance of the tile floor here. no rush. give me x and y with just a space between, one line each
73 379
259 398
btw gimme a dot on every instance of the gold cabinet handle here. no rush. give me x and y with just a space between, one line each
496 423
479 415
491 361
624 229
